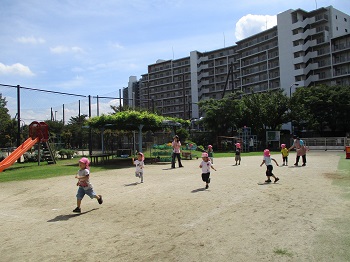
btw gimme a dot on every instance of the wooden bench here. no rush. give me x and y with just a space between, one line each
103 157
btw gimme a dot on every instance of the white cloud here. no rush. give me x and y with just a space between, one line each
249 25
15 69
66 49
30 40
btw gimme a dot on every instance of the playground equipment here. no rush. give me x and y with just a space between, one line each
38 132
244 136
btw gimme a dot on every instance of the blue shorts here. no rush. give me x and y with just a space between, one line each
82 192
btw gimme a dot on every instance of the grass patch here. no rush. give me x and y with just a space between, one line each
66 167
328 241
282 252
342 177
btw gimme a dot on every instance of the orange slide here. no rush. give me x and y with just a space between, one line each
12 158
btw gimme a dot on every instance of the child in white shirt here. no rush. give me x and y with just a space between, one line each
139 163
206 165
268 162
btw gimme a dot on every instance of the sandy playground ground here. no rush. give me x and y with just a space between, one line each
170 217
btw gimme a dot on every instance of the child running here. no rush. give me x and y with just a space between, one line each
85 187
210 153
238 153
267 161
139 165
285 153
206 165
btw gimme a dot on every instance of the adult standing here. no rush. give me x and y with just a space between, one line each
176 144
301 151
251 144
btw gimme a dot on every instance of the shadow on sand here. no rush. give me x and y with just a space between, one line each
67 217
198 190
132 184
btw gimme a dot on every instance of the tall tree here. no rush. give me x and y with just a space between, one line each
74 134
321 107
7 126
263 111
224 115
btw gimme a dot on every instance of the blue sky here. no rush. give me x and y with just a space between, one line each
91 47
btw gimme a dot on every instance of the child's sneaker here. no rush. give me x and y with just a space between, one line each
77 210
276 179
268 181
100 200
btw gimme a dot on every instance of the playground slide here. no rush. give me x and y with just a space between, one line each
19 151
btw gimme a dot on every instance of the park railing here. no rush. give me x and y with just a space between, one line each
326 143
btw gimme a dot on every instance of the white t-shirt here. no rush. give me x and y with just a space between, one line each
139 166
268 160
206 166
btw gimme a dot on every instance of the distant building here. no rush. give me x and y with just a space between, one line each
131 94
304 49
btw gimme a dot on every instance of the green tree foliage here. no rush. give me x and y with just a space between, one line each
224 115
131 120
55 130
264 111
320 107
74 135
55 127
260 111
254 112
7 125
183 134
117 109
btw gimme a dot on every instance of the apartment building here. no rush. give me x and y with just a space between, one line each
304 49
307 42
131 94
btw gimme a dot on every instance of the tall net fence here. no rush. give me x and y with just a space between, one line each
41 105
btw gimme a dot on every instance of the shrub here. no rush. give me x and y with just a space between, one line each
200 148
66 153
